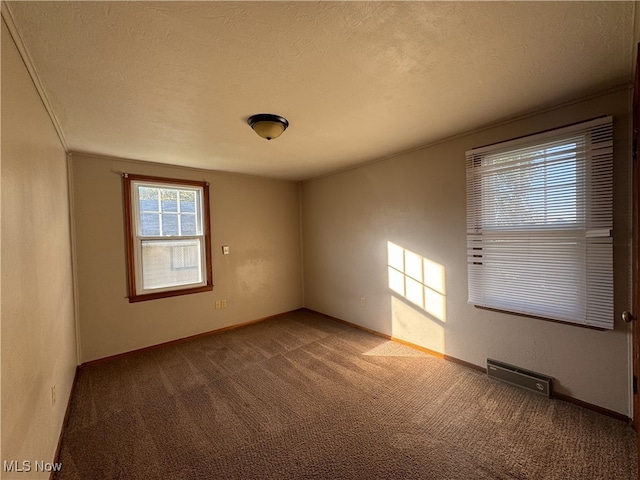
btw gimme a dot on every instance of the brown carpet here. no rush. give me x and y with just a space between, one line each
301 396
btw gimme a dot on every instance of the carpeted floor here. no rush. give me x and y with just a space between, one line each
301 396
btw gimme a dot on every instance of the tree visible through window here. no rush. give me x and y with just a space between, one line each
167 237
533 188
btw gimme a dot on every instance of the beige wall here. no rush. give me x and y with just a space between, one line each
258 218
38 332
417 201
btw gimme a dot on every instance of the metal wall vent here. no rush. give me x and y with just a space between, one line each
519 377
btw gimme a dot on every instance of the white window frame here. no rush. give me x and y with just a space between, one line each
508 261
136 238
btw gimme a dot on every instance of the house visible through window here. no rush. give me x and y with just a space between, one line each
539 223
167 237
185 256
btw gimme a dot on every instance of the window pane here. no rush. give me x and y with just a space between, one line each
170 224
188 224
177 211
149 224
184 256
187 201
531 188
169 200
148 199
167 263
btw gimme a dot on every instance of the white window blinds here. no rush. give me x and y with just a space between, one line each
539 223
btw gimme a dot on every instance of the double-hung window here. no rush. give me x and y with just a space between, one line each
539 224
168 242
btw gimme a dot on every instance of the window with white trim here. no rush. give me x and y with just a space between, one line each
168 241
539 224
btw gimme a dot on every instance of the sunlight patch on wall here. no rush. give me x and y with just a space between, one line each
418 279
418 308
411 325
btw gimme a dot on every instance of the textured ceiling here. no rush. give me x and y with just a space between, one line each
174 82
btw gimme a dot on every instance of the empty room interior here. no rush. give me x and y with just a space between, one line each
284 240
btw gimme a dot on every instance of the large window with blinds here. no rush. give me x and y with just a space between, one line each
539 225
168 242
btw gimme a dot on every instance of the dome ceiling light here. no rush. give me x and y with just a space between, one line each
268 125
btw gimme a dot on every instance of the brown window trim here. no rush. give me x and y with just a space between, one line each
129 237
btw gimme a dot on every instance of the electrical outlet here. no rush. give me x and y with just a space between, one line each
218 305
53 395
223 303
363 302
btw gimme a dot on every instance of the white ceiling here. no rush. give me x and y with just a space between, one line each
174 82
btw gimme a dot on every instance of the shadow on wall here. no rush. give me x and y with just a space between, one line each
418 298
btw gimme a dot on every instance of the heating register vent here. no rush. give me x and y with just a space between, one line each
519 377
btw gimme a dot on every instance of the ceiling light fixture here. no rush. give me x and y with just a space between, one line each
268 125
